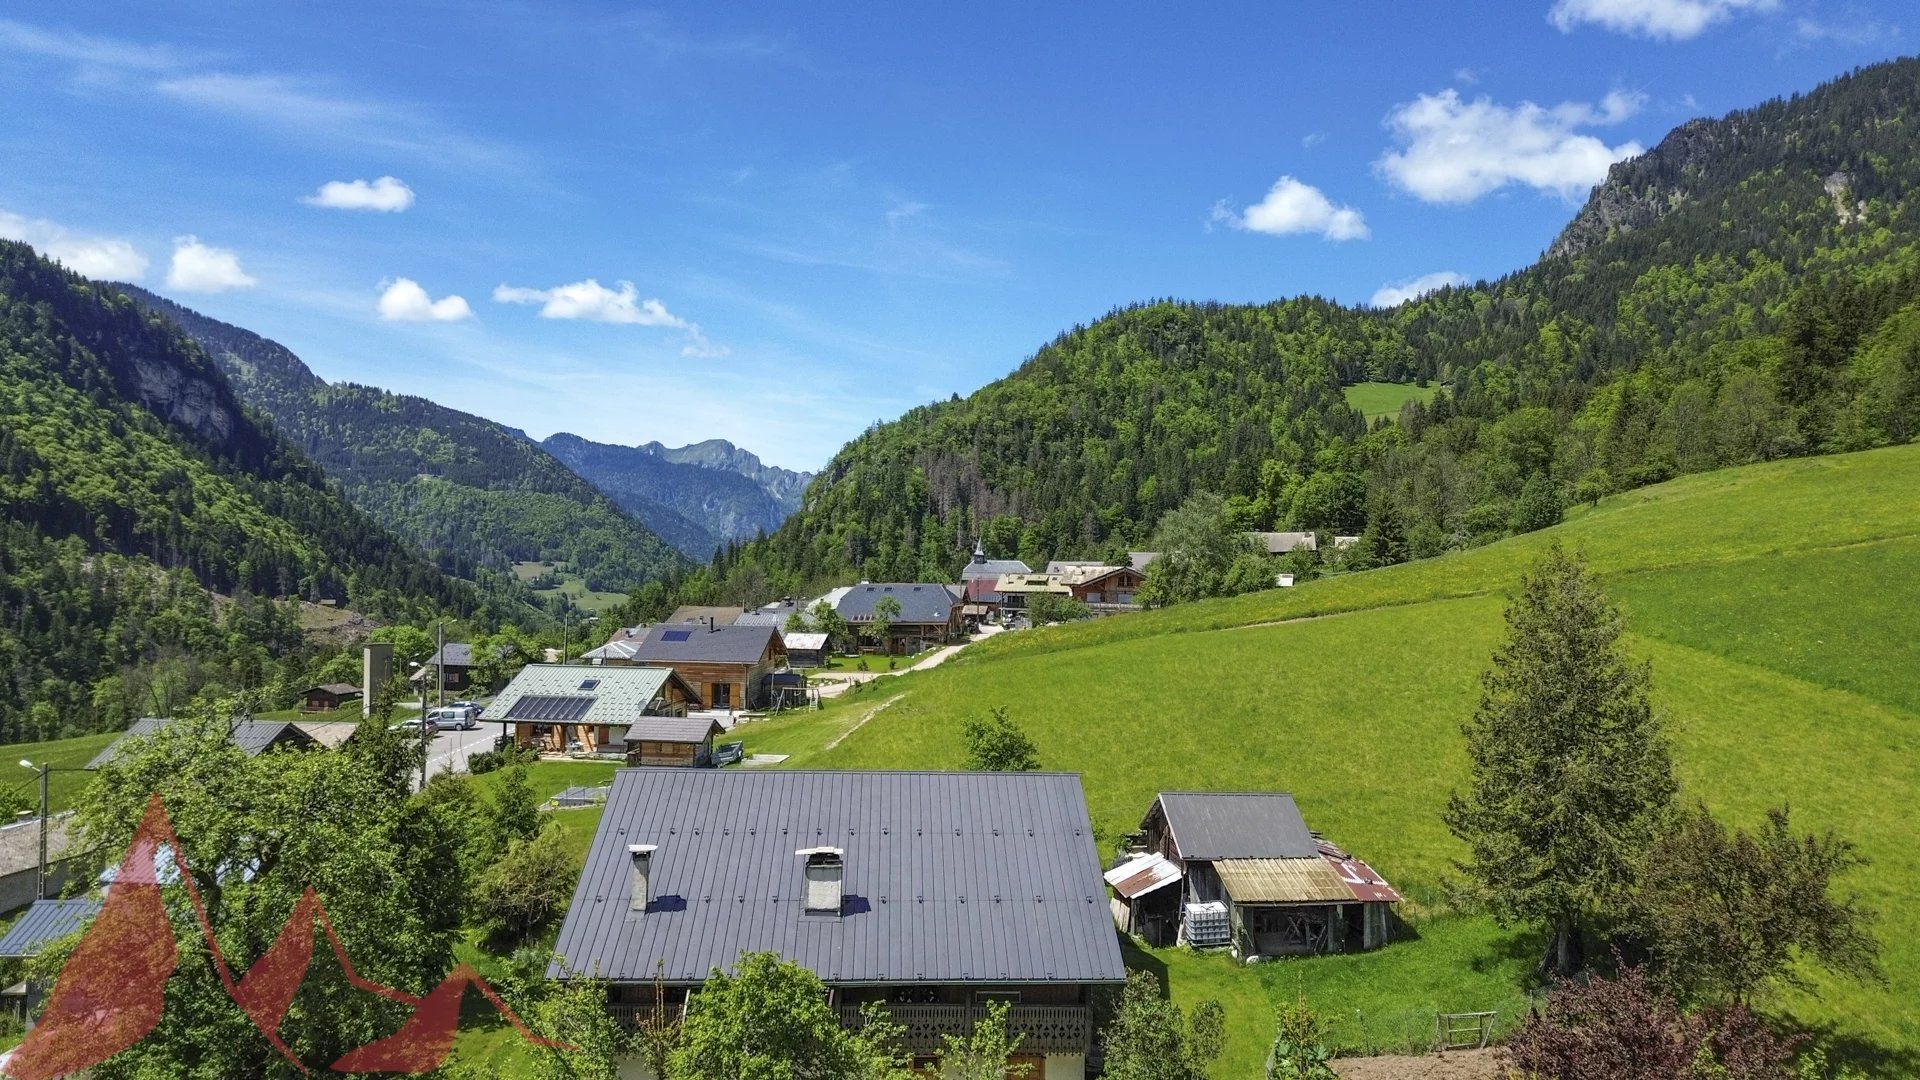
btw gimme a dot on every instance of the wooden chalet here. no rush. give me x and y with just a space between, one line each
930 613
568 708
1241 870
727 666
455 662
329 696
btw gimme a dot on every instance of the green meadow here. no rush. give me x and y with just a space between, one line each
1378 399
1775 604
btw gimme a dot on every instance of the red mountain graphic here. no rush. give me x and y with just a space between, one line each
111 992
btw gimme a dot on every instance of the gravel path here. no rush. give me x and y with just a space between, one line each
1455 1065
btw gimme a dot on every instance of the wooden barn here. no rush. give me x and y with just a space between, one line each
1241 869
681 741
329 696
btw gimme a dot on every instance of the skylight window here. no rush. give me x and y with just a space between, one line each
590 684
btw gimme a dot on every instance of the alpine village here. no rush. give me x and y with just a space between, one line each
1515 678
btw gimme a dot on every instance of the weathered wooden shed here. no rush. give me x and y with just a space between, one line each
683 741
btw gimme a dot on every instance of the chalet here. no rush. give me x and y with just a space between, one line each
674 741
562 707
253 737
806 650
712 616
727 666
936 893
929 613
329 696
1241 869
775 614
1016 589
1280 543
453 661
1104 588
980 597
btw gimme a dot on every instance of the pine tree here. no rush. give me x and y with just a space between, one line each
1570 771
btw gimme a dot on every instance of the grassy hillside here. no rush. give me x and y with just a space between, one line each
1769 600
1374 400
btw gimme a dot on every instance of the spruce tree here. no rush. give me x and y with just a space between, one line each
1570 771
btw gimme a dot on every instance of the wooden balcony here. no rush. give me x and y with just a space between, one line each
1045 1029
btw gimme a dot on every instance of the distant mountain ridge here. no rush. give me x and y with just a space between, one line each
697 497
470 492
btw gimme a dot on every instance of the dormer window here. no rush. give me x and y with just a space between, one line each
825 877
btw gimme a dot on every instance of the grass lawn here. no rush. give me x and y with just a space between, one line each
1773 603
1377 399
874 661
67 756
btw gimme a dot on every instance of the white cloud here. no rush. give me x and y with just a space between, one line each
595 302
89 256
1454 151
1466 76
1810 31
387 194
1674 20
199 268
87 49
1292 207
1400 292
403 300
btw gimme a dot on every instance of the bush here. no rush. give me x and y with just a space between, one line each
995 744
1049 607
525 891
1299 1046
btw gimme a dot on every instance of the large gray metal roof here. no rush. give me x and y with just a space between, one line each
1237 825
694 643
251 736
44 921
950 877
920 602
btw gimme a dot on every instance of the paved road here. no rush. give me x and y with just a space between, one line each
450 748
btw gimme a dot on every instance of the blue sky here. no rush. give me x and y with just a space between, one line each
779 224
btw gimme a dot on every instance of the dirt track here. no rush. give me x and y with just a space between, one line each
1458 1065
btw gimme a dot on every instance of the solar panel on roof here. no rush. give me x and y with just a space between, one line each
551 708
676 635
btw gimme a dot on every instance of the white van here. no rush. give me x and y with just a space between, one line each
455 717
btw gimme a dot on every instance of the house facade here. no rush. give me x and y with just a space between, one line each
1241 870
727 666
934 893
560 708
454 662
929 613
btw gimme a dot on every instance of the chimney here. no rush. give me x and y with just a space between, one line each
642 874
376 668
710 627
826 875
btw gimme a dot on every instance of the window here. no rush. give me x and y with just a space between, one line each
590 684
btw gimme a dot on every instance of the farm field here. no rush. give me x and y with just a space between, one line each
1768 600
68 758
1377 399
571 586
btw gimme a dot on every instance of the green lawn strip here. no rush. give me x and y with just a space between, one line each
1377 399
1842 617
1783 506
68 758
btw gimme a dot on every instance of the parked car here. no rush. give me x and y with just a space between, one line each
474 705
455 717
729 752
412 723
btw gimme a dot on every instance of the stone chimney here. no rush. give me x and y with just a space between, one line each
826 879
641 875
376 667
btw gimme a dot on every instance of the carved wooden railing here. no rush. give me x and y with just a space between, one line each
1045 1029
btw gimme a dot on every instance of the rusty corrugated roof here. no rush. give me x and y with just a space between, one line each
1142 874
1366 883
1282 881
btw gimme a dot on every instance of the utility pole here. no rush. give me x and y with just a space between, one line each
43 769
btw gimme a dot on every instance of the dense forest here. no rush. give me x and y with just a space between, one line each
474 494
134 484
1749 289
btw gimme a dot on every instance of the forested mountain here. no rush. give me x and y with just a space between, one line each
468 491
697 497
1749 289
134 481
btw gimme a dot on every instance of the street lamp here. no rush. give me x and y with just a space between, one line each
43 769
